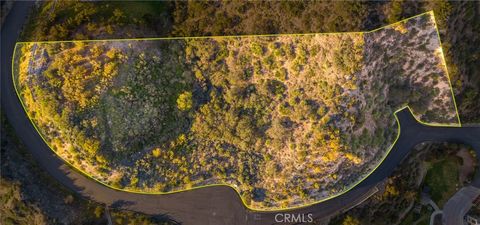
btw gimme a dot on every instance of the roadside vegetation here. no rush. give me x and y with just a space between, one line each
313 112
16 211
433 170
30 196
418 218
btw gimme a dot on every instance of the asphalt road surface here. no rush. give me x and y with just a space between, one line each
213 205
459 204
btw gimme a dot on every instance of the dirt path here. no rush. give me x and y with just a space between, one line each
468 164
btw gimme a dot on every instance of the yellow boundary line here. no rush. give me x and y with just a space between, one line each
446 68
229 185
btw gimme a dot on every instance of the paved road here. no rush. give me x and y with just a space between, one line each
213 205
459 204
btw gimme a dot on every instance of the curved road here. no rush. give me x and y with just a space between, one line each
213 205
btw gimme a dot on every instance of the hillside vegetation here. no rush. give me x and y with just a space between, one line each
287 120
457 20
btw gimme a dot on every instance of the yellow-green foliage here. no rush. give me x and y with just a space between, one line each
78 74
184 101
14 210
349 220
164 115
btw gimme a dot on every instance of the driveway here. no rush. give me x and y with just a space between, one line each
458 205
